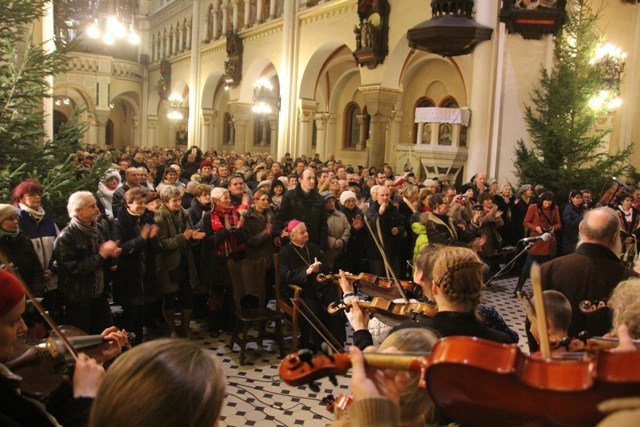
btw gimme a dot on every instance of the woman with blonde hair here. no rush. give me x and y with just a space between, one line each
416 408
161 383
625 304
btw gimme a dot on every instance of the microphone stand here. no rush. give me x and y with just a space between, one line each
508 265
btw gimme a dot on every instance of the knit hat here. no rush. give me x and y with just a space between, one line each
205 163
292 224
11 291
7 211
346 195
326 195
523 188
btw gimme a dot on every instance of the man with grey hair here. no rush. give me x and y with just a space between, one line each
592 272
132 178
85 255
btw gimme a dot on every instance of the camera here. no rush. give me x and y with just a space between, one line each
546 230
478 207
463 198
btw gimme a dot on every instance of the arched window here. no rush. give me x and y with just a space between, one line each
449 102
353 125
262 130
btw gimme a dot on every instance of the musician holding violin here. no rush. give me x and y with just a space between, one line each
457 289
15 408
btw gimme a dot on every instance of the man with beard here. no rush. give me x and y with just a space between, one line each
592 272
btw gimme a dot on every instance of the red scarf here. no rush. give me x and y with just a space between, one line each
230 245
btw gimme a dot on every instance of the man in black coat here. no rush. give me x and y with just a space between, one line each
592 272
388 225
305 204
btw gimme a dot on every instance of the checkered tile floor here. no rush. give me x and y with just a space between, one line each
257 397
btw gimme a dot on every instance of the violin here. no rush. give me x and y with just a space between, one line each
586 343
482 383
375 286
46 365
389 312
589 307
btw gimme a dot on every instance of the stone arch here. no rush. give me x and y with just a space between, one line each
316 66
261 67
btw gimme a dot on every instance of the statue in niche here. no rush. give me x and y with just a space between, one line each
371 33
164 84
182 134
233 65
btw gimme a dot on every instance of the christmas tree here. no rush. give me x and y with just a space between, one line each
566 151
25 151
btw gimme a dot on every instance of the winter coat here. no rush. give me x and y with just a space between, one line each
308 208
545 219
136 279
174 247
259 242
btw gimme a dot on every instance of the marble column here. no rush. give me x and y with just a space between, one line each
482 90
136 131
206 123
273 126
234 18
362 135
272 9
216 12
241 113
247 14
259 12
152 124
380 102
321 131
102 117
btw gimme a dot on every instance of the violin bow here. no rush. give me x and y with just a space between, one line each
46 317
384 258
316 324
541 314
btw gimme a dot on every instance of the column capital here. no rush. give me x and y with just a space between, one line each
152 121
379 100
306 110
241 112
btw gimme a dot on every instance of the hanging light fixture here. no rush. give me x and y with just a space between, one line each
263 98
108 24
175 111
609 61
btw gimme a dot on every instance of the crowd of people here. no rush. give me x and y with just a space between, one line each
156 237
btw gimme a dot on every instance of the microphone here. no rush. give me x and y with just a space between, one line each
545 237
622 184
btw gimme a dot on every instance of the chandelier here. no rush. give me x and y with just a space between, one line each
263 99
609 62
175 111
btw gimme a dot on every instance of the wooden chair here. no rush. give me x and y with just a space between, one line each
247 278
286 306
